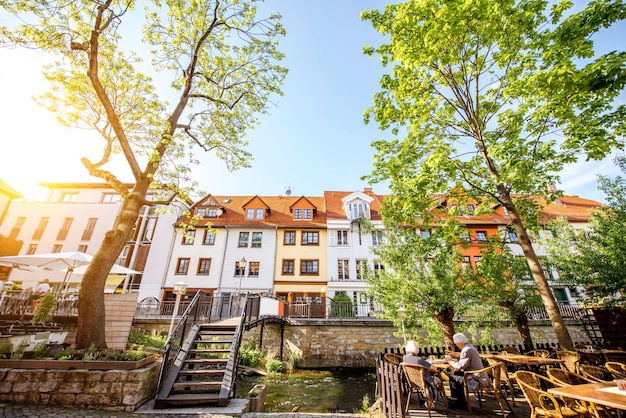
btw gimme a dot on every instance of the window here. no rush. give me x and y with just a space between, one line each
358 210
470 209
512 235
465 236
43 223
209 238
204 266
506 211
378 268
477 259
361 268
377 237
239 270
212 213
466 260
15 231
254 213
288 266
425 234
65 228
123 255
290 238
69 197
189 237
57 248
260 213
243 239
148 231
253 268
88 232
111 198
32 249
297 214
201 212
308 214
82 248
249 213
182 266
481 236
310 238
257 238
342 238
560 295
309 266
343 269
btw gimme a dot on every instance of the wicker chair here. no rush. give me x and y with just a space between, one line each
495 386
618 356
393 358
562 377
543 404
505 379
415 378
539 353
511 349
572 359
618 370
596 373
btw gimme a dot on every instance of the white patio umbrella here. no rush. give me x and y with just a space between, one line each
68 262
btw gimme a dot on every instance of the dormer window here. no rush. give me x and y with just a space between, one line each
254 213
201 212
212 213
297 214
359 210
308 214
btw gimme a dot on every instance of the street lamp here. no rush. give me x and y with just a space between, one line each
402 315
241 269
4 287
180 289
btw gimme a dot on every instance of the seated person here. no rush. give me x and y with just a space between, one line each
433 382
469 359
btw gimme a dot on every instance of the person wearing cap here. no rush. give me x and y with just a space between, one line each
469 359
412 356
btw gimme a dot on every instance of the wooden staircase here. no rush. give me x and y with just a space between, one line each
205 368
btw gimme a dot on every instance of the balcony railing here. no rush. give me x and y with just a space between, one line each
21 303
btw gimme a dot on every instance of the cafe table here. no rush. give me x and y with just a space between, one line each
523 361
602 393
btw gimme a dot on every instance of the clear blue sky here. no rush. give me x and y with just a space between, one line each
313 140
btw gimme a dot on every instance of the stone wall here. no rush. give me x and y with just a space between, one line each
115 390
355 343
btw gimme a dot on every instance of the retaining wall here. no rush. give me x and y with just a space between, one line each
115 390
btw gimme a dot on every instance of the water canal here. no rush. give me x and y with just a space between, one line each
313 391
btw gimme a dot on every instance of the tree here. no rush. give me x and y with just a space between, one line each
495 98
503 281
594 258
424 276
223 67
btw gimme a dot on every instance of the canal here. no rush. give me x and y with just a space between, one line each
313 391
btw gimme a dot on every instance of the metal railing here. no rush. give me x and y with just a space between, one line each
20 303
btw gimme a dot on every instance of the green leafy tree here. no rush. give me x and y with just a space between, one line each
423 275
222 66
594 258
341 306
493 98
503 281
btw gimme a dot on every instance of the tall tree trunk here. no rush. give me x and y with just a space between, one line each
541 282
91 314
523 330
445 321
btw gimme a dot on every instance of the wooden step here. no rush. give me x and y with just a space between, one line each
216 361
215 341
192 384
201 372
209 350
191 397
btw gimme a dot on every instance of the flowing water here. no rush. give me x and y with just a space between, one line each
313 391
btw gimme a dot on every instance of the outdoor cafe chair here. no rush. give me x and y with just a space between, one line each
618 356
495 386
415 378
542 403
572 359
618 370
540 352
596 373
562 377
393 358
505 379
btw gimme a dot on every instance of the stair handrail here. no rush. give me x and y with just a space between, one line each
178 335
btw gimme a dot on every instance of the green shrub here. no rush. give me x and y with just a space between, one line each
147 338
274 366
41 349
249 354
341 306
47 304
6 347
